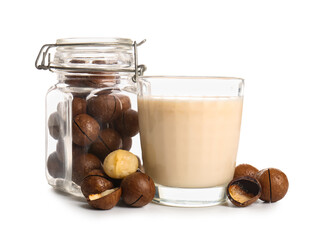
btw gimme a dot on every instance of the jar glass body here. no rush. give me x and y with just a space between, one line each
88 115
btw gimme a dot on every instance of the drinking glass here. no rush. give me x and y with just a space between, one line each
189 133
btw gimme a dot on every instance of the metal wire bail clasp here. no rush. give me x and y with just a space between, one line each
43 60
45 52
139 69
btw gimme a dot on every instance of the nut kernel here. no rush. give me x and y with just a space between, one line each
95 196
120 164
239 194
243 191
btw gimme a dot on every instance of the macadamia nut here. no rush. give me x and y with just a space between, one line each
120 164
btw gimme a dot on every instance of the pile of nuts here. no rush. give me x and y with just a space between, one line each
101 124
120 178
249 184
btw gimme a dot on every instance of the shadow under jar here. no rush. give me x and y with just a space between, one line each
189 132
87 109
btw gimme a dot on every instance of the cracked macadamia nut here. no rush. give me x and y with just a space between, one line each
83 165
108 140
127 123
274 184
105 200
94 184
120 164
243 191
85 129
138 189
104 108
245 170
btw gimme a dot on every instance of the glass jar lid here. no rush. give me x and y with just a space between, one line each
91 55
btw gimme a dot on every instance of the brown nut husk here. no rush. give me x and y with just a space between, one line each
94 184
97 172
245 170
78 106
85 129
138 189
125 101
100 172
104 108
105 200
56 125
55 166
82 165
127 143
243 191
127 123
274 184
108 140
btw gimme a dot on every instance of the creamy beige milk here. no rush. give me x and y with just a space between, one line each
190 142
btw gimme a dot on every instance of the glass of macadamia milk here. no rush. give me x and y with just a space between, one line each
189 133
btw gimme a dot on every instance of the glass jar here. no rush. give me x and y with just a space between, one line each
91 110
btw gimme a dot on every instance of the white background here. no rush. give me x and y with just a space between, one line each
273 45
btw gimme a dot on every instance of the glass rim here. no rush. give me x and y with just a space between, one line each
182 77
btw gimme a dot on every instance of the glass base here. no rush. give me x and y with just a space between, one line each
189 197
66 186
